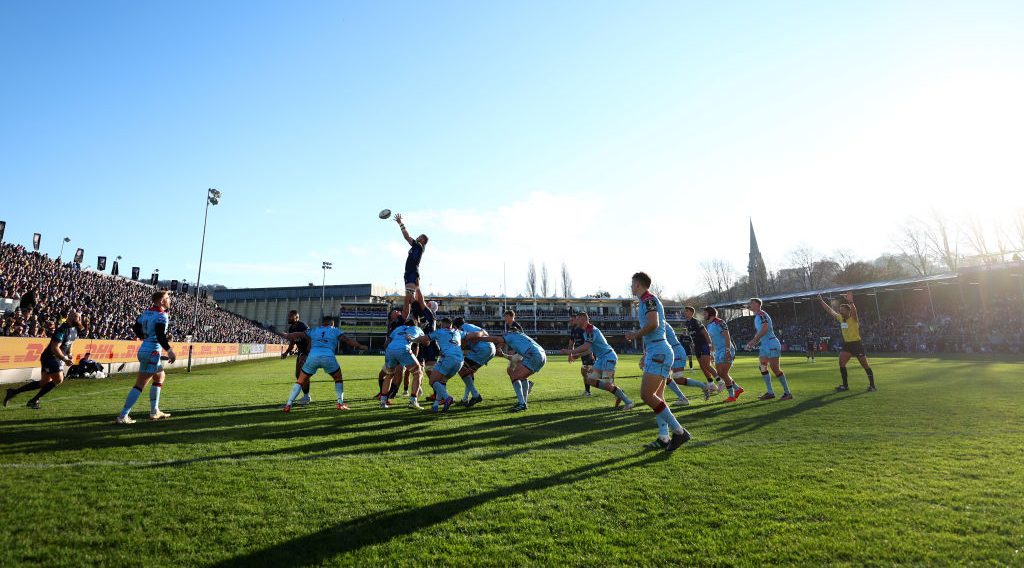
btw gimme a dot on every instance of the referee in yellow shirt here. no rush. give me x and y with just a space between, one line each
852 347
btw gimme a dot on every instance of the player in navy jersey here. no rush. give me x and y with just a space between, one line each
301 349
657 364
702 348
324 344
532 358
586 359
602 374
427 353
721 339
151 328
478 354
412 268
770 351
679 370
52 360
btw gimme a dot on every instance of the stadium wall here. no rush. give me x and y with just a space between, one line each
19 356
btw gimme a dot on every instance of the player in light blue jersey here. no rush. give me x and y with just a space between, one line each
602 374
478 354
529 359
770 351
399 359
151 328
323 346
679 370
721 339
657 362
449 341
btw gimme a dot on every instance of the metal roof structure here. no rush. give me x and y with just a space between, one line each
879 285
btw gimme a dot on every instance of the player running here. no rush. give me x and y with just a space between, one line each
603 374
478 354
770 351
449 340
412 268
702 348
586 359
533 358
324 343
151 328
852 346
399 360
657 363
52 360
812 345
722 341
301 346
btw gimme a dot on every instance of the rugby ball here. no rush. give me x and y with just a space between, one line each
384 213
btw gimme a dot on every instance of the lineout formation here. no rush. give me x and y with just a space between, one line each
420 344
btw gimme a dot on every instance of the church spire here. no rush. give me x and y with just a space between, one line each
757 274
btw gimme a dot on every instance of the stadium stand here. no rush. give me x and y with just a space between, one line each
42 290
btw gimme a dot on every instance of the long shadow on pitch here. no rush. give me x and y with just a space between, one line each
746 424
379 528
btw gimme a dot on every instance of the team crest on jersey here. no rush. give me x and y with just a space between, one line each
651 304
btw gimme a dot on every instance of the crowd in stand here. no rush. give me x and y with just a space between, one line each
46 290
997 327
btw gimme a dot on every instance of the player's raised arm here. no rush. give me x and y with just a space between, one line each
574 352
353 343
827 307
853 307
405 233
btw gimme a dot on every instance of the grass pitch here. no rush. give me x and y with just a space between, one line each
927 471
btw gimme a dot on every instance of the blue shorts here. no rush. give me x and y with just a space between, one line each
606 363
659 359
481 353
680 356
149 360
770 348
315 361
535 360
398 358
721 357
448 366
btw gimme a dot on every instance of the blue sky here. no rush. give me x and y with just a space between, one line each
611 136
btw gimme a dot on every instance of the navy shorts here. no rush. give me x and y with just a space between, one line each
50 365
702 350
428 353
412 278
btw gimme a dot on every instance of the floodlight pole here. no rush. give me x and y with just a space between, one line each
60 255
212 198
323 285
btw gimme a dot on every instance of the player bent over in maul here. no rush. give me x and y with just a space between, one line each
324 343
399 359
478 354
529 358
450 342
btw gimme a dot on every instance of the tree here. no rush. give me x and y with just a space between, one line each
974 231
544 289
566 282
531 280
812 270
943 241
718 276
911 242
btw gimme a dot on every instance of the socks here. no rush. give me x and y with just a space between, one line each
768 382
296 389
663 432
586 385
305 387
129 402
622 396
339 389
871 376
28 387
154 397
843 373
526 390
672 386
441 390
394 390
517 386
785 383
669 419
470 388
42 392
694 383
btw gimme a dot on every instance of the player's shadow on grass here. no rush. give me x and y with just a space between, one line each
379 528
780 410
